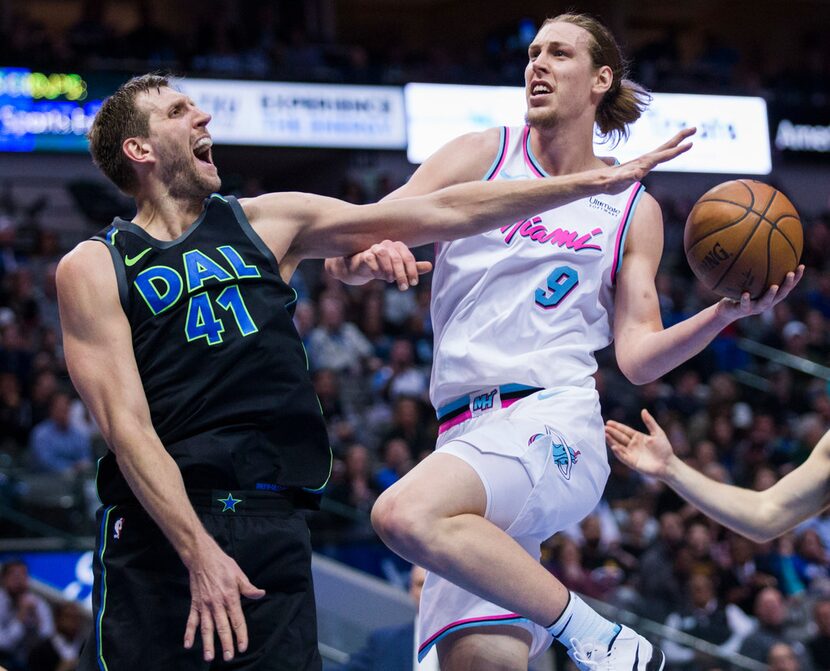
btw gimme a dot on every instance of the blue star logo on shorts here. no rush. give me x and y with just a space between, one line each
229 503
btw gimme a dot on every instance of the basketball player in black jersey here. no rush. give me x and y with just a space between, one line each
178 336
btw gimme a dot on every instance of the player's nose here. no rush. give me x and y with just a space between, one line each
202 118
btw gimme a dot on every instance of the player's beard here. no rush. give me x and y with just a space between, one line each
184 181
541 118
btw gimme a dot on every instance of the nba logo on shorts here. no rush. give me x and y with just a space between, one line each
116 529
564 456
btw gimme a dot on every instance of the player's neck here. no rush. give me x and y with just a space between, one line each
165 217
564 149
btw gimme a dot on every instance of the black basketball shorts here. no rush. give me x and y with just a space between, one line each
141 591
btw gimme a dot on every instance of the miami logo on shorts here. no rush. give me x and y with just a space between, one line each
564 456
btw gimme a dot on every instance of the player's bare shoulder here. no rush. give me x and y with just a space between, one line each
463 159
87 286
88 264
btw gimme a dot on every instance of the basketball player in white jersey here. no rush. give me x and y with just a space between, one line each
518 314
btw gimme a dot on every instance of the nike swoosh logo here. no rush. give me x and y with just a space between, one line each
547 394
131 261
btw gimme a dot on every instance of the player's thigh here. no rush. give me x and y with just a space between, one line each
141 598
496 648
442 485
274 552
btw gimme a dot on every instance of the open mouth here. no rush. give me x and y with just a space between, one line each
539 90
202 150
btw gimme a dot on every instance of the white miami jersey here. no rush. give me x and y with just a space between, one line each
529 303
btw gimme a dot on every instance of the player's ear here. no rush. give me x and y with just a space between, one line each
603 78
137 149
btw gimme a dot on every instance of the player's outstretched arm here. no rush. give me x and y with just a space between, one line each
322 227
463 159
760 516
99 354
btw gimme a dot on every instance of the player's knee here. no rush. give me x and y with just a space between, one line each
399 523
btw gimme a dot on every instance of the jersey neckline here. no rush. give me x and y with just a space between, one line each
124 225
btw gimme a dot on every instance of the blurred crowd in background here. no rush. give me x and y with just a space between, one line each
293 41
733 416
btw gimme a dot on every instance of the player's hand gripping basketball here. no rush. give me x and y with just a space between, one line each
216 581
648 454
730 309
618 178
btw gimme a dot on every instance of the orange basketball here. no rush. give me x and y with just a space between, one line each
743 235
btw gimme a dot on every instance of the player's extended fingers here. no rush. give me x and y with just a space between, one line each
239 626
384 261
190 628
767 300
399 271
409 263
622 428
423 267
677 138
617 435
651 423
206 630
223 629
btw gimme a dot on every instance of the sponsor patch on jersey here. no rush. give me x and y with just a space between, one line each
597 204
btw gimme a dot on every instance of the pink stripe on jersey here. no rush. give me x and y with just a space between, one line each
455 421
621 231
505 143
528 160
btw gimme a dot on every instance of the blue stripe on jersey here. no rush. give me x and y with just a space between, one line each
499 154
626 225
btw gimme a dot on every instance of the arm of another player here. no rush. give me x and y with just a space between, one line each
645 350
99 355
325 227
464 159
760 516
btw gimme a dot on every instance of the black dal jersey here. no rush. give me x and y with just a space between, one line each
223 369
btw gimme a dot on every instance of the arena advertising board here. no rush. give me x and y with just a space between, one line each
802 131
732 137
45 111
301 115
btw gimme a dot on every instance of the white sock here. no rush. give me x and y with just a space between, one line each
581 622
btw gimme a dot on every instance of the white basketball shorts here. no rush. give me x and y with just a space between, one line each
543 464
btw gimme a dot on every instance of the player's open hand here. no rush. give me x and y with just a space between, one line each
732 309
216 582
389 261
620 177
648 454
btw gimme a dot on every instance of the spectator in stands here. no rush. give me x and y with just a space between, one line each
355 488
782 657
25 617
741 578
819 645
659 585
15 414
401 377
56 446
408 422
772 611
336 343
60 651
397 462
701 615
